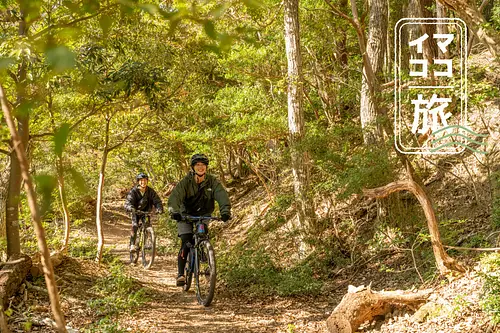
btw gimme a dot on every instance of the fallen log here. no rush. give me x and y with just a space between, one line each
362 304
12 276
55 257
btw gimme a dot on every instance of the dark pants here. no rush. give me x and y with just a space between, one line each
135 226
183 252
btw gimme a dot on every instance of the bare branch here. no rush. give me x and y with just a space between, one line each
482 249
132 130
68 24
5 152
342 14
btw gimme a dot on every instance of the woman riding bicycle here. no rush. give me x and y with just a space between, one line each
195 194
141 198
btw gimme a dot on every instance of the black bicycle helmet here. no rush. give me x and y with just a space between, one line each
142 175
199 158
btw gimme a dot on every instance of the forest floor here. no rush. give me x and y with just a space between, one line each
166 308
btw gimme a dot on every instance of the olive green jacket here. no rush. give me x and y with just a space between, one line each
191 198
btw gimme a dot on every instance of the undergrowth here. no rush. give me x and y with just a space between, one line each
118 292
490 299
253 271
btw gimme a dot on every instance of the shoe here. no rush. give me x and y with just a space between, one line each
181 281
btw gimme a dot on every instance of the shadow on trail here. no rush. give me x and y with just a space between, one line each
170 309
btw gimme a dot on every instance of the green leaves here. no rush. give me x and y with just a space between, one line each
78 180
209 28
60 138
45 185
60 58
5 62
105 22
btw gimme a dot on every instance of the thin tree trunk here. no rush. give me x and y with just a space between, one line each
342 46
441 28
35 215
64 202
444 262
389 50
296 114
100 188
3 322
60 182
4 188
230 163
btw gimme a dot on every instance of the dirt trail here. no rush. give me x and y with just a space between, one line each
172 310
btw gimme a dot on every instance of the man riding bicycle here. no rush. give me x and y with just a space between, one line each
140 200
195 195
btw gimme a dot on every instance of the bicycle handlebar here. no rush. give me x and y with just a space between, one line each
141 213
200 218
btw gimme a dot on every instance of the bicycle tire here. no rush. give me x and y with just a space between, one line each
148 247
134 255
205 273
188 271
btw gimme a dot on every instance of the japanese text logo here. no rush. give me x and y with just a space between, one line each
431 87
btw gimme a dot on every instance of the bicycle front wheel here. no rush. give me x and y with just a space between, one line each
134 255
188 270
205 273
148 247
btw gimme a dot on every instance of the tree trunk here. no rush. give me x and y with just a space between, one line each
389 52
12 217
4 189
60 180
230 163
64 202
3 323
373 64
430 44
468 11
296 113
357 307
342 45
100 188
413 29
441 13
35 215
444 262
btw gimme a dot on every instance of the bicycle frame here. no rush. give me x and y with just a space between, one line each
202 247
144 233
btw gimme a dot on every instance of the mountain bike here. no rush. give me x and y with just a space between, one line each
145 241
200 262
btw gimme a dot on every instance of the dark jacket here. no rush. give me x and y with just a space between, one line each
144 203
191 198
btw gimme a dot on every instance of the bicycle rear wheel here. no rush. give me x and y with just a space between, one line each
206 274
148 247
188 271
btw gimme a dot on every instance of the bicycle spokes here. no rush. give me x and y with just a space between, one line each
205 273
148 247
